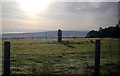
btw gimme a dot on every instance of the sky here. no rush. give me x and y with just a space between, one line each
77 16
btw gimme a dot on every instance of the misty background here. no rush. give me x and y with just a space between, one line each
75 19
77 16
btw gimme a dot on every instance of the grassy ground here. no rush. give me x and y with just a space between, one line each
75 56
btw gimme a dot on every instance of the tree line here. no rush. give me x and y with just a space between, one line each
110 32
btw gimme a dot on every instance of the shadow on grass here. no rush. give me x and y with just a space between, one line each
67 43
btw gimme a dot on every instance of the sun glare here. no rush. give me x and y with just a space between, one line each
34 6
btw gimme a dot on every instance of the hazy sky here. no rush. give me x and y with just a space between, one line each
82 16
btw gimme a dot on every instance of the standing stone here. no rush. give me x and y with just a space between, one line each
59 35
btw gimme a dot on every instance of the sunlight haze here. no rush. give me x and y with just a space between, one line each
41 15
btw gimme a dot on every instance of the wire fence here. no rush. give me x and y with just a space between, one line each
72 56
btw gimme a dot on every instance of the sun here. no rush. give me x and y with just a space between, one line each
33 6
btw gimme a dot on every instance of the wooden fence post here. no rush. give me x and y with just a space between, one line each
6 58
118 50
97 58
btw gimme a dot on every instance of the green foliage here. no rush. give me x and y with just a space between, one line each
110 32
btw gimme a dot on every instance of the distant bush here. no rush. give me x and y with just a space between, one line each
110 32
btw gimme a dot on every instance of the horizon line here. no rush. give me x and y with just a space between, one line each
35 32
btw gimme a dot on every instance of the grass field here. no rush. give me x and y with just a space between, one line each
75 56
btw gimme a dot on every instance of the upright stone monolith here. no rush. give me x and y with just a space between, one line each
59 35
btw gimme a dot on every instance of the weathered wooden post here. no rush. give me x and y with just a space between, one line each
6 58
118 50
59 35
97 58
